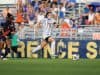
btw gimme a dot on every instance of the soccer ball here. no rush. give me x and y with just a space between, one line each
75 57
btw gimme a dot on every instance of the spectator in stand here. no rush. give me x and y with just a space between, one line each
97 8
36 4
19 18
97 18
85 15
25 9
29 1
54 9
40 16
53 1
65 26
91 17
19 5
68 22
4 15
61 12
5 12
64 2
31 15
48 7
42 6
70 3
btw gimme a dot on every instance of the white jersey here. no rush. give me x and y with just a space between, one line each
47 26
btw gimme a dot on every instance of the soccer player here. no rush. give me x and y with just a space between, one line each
15 42
47 25
8 28
2 39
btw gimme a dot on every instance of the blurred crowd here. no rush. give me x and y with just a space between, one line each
91 15
33 11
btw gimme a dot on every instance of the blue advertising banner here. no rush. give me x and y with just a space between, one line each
64 48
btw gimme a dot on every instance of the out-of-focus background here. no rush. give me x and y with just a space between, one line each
76 32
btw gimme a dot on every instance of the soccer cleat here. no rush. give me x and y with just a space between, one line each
4 59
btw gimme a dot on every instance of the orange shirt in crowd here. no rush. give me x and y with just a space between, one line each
65 25
64 28
97 18
19 18
54 0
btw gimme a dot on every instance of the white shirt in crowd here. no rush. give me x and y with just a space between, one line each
40 17
54 11
63 9
91 17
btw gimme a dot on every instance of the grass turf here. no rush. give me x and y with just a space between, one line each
49 67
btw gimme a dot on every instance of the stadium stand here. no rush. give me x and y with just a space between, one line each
74 13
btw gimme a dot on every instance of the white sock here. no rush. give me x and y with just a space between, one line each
53 47
36 49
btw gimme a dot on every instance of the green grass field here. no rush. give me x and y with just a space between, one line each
49 67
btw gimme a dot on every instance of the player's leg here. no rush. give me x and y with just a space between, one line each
1 47
14 49
42 45
52 41
7 48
